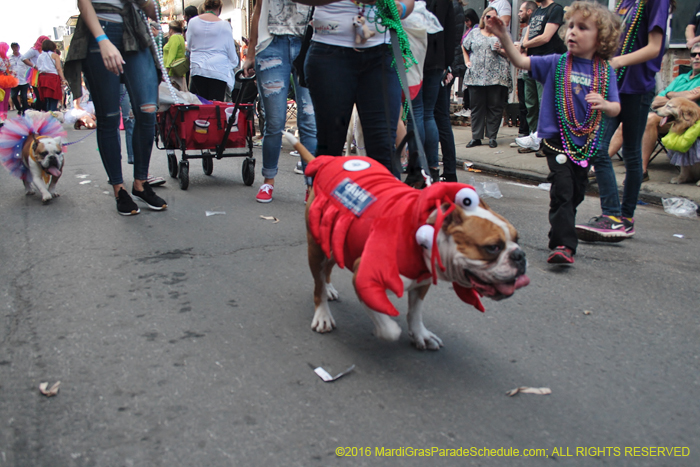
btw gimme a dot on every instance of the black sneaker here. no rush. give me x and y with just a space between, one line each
149 197
629 225
561 255
126 205
603 229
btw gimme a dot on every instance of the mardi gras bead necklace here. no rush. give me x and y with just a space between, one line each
569 126
387 17
631 33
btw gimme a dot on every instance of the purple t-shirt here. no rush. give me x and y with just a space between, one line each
640 78
543 69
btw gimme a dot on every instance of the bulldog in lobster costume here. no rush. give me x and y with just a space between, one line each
394 237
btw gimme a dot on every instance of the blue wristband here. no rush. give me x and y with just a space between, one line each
403 10
101 38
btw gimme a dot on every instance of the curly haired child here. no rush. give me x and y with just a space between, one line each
579 90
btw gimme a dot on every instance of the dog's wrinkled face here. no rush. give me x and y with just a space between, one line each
682 112
48 152
479 249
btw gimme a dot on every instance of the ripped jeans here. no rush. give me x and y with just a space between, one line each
141 81
273 67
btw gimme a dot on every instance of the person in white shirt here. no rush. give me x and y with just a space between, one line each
503 9
212 53
349 63
19 92
51 76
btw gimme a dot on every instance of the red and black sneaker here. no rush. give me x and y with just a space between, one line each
561 255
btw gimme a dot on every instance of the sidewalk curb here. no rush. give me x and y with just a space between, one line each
646 197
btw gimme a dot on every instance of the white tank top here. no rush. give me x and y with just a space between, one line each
333 25
45 63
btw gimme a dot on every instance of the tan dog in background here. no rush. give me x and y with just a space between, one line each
682 113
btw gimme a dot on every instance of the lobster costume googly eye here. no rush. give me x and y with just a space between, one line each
467 199
424 236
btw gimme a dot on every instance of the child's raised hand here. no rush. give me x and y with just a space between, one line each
495 26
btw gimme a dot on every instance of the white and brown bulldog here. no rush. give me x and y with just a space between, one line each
396 238
43 156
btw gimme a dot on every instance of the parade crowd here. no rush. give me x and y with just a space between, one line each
586 83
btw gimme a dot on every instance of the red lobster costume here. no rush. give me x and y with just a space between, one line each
361 209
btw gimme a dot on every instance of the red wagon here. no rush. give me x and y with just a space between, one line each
207 132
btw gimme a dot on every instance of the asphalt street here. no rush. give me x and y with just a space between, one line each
184 339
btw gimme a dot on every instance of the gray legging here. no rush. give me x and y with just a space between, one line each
487 104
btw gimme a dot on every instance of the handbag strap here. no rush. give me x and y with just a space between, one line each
398 59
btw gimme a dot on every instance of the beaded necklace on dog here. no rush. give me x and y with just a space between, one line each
569 125
631 34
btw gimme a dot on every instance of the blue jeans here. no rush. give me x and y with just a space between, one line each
424 112
633 117
273 67
431 89
340 77
128 119
141 82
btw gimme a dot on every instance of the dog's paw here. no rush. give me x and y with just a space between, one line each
698 183
425 339
675 181
29 193
45 199
331 292
55 195
387 330
323 320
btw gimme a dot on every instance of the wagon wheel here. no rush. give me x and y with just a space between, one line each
184 175
208 165
248 171
172 164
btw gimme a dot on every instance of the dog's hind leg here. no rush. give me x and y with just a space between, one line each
321 271
421 337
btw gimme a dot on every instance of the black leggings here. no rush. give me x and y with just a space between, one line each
208 88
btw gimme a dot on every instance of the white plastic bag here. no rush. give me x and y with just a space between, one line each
165 98
486 189
680 207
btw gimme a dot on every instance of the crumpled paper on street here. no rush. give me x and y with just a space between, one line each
326 377
529 390
52 391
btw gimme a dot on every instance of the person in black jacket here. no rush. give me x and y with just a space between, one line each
442 107
439 57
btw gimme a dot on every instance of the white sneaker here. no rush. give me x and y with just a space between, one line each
529 142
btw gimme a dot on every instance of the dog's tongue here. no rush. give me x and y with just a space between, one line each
663 121
54 171
510 288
